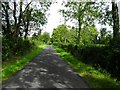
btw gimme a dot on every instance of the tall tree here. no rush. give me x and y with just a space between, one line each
82 12
115 18
27 21
5 14
16 20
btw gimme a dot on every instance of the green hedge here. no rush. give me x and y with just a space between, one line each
106 57
11 47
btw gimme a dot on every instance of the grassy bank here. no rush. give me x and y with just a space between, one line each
12 66
95 78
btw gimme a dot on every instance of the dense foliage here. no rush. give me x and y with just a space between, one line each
11 49
99 48
96 78
21 29
102 56
44 37
19 20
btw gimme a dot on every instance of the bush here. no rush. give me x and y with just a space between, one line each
106 57
12 48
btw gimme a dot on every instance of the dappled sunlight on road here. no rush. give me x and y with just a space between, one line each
47 70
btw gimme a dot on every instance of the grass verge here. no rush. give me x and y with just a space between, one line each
11 67
95 78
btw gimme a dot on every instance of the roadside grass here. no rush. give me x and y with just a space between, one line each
11 67
95 78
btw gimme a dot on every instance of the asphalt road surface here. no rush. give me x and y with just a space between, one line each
47 70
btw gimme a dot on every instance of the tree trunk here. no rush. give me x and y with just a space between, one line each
17 24
7 30
79 30
115 21
28 22
79 23
15 18
26 29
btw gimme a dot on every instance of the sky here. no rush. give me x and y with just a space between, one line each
56 19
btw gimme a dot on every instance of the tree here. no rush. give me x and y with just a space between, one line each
27 20
105 36
115 18
71 35
45 37
16 20
5 18
82 12
89 36
60 34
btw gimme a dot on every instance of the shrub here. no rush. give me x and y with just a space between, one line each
12 48
106 57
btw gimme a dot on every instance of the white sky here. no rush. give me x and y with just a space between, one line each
56 19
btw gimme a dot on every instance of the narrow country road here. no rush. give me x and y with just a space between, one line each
47 70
